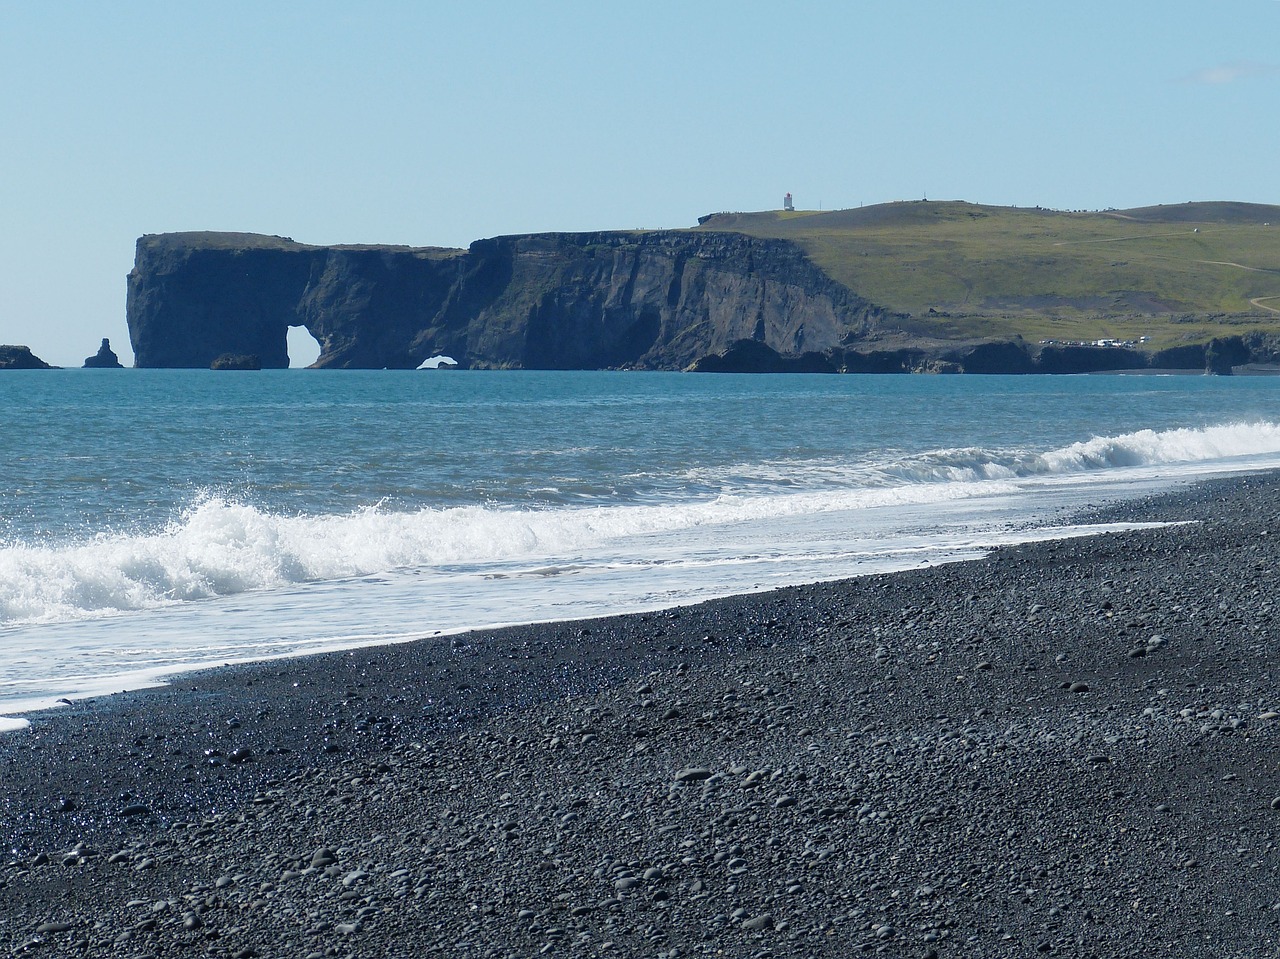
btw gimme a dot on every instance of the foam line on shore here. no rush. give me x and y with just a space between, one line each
106 683
223 547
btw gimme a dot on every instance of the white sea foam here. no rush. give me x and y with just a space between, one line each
971 464
222 548
1150 448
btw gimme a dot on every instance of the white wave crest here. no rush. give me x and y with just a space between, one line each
1151 448
971 464
221 548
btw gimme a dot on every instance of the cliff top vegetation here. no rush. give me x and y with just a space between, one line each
1175 273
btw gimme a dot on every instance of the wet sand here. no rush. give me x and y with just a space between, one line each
1068 748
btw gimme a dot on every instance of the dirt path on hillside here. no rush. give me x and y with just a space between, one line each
1256 301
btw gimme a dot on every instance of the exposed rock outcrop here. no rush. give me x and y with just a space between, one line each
750 356
707 301
1222 354
658 300
20 358
1219 356
104 359
236 361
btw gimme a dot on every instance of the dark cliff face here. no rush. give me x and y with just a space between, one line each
671 300
20 358
656 300
195 297
190 301
549 301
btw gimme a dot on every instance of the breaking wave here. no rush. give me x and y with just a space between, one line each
220 547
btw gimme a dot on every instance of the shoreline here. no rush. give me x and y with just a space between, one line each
901 763
14 715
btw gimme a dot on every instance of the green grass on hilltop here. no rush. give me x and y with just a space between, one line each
1172 273
242 242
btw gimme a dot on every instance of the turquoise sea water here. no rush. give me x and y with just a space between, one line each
152 520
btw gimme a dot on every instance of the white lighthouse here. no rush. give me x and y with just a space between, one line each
787 204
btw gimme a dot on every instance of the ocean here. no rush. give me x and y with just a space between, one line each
153 521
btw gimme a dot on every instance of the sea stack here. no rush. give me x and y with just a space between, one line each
104 359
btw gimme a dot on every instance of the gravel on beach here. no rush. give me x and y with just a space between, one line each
1067 748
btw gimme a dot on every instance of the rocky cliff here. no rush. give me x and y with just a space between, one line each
20 358
704 300
647 300
1221 355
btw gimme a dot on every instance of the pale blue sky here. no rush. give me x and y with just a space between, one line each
439 123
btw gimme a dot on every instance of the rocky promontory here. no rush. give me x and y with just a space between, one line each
20 358
645 300
917 287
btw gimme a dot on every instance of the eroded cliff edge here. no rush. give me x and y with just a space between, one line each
646 300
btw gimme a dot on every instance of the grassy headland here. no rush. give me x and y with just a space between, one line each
1175 274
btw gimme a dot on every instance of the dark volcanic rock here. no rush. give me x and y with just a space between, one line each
1088 359
1000 357
750 356
20 358
669 299
1221 354
1190 357
236 361
104 359
881 361
658 300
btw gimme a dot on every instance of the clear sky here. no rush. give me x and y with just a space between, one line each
437 123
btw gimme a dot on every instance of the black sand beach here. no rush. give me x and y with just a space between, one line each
1068 748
